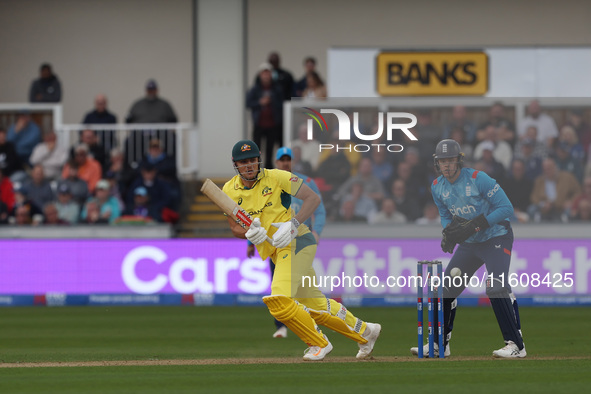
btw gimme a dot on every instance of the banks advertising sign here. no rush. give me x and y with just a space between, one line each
432 73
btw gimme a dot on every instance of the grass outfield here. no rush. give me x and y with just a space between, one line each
557 342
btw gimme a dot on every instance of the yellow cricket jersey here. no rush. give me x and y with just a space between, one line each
269 200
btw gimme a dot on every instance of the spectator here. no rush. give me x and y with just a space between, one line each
68 209
331 174
533 163
108 205
430 215
310 148
501 150
315 86
78 187
498 118
363 205
21 199
38 188
88 169
540 150
565 162
491 166
46 89
568 136
51 215
141 206
281 76
9 160
459 135
93 213
157 189
371 185
382 169
95 150
405 204
151 108
25 135
547 130
553 193
576 119
165 170
23 216
413 172
265 101
460 121
388 214
4 213
6 191
299 165
415 187
518 189
581 205
50 155
120 173
302 84
427 133
347 213
100 114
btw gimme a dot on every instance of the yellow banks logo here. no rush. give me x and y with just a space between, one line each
432 73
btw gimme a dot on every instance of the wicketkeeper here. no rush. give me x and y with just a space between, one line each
266 196
474 212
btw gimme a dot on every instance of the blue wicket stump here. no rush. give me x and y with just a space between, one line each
431 289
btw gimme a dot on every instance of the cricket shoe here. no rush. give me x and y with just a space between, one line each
317 353
281 332
510 351
415 350
371 333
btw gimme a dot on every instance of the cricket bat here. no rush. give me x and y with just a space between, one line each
227 205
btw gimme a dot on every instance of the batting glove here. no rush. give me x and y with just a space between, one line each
286 233
256 234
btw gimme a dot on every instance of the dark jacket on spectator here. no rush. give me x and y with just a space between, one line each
9 161
50 89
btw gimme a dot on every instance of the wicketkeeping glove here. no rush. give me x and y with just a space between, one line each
286 233
256 234
447 246
465 229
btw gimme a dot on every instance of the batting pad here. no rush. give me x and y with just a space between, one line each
296 318
335 318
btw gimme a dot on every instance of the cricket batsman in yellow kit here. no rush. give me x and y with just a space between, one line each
266 196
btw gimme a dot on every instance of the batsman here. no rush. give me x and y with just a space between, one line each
266 196
474 212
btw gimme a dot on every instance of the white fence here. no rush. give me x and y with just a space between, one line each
180 140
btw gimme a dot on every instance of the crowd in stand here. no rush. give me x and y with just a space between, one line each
544 165
95 181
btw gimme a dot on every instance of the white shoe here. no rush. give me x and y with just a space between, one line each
281 332
317 353
510 351
446 353
372 330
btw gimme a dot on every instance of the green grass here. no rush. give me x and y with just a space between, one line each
146 333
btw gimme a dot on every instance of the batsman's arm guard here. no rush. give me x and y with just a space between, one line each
296 318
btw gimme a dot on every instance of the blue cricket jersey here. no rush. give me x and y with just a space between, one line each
319 213
472 194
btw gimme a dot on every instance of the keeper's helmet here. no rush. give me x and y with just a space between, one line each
448 149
